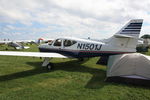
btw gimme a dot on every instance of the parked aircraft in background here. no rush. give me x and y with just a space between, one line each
16 44
140 42
124 41
44 40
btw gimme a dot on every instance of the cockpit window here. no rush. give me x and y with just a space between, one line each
58 42
68 43
50 43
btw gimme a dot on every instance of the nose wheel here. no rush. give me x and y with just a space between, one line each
49 66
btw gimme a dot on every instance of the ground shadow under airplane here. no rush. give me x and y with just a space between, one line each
96 81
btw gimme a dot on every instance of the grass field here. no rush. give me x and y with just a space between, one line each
23 78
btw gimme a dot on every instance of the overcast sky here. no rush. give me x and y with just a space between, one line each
32 19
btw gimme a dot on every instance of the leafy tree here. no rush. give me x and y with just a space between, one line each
146 36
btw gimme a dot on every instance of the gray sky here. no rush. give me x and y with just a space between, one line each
32 19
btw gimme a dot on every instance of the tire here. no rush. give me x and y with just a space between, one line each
81 59
49 66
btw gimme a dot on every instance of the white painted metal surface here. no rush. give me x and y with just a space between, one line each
32 54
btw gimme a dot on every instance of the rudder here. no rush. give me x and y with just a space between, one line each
132 28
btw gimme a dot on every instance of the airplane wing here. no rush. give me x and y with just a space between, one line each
32 54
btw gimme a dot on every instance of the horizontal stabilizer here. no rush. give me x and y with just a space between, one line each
123 36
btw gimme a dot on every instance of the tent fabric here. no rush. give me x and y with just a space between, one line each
131 81
133 65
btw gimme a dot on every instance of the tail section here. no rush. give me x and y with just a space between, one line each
132 28
126 39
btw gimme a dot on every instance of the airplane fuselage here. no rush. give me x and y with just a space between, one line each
81 48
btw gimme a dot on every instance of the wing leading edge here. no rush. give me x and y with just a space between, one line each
32 54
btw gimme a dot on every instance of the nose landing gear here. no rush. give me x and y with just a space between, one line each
47 64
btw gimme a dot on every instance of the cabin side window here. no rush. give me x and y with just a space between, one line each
58 42
68 43
50 43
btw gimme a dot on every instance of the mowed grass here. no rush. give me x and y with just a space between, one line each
23 78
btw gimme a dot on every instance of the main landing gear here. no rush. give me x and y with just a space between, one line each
47 64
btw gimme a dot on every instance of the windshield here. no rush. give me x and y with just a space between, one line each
58 42
68 43
50 43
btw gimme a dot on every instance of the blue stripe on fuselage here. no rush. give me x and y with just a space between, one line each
80 53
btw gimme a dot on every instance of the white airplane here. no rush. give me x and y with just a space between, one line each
16 44
124 41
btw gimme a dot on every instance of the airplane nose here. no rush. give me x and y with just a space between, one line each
42 47
39 46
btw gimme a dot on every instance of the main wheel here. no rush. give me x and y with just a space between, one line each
81 59
49 66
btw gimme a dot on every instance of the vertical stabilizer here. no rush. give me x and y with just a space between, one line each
132 28
126 39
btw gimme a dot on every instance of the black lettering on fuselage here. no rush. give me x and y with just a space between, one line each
79 46
98 47
84 46
87 46
92 46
